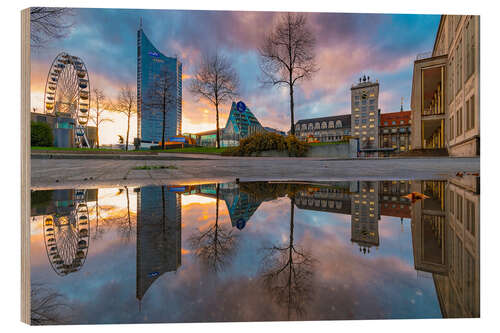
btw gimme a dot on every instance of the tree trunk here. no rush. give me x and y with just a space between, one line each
163 124
292 121
217 144
128 130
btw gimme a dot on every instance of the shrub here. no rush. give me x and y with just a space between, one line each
41 135
265 141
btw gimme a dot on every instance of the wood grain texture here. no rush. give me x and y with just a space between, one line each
25 166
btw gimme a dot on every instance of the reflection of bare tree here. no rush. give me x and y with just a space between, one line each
215 246
287 273
47 306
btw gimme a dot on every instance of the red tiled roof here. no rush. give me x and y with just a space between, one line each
405 116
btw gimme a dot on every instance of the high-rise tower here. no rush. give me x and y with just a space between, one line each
365 115
153 65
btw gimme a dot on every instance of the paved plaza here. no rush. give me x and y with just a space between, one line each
88 173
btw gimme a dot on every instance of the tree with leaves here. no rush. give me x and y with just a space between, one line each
217 82
100 104
162 96
287 55
48 23
126 104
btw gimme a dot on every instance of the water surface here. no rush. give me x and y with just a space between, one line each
256 251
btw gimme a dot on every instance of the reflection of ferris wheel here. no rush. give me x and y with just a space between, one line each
67 90
67 237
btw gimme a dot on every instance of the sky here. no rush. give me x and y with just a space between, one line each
348 46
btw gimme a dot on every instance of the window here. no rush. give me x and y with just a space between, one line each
401 122
363 102
330 124
356 121
372 107
363 108
356 97
459 122
372 138
470 216
470 48
363 121
338 124
452 127
394 122
458 67
459 213
372 101
372 119
470 113
451 72
323 125
452 202
386 123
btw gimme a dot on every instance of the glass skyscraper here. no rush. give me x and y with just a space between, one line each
150 64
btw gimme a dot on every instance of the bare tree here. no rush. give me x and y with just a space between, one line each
163 96
287 55
217 82
48 23
100 104
48 307
127 105
216 245
287 273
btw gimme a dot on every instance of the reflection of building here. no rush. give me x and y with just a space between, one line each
459 291
445 92
428 227
158 235
151 63
334 199
365 115
365 214
391 200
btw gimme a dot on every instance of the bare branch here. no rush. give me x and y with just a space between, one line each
216 81
48 24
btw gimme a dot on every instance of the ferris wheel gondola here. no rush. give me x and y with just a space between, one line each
67 91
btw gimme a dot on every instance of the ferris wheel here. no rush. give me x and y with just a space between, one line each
67 91
67 237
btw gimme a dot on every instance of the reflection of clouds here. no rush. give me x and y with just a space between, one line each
345 285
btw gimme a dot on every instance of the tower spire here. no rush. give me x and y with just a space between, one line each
140 23
401 104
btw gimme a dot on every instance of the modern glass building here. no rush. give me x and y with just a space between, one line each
151 64
240 124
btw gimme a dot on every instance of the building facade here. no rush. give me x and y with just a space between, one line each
325 129
445 91
395 132
152 66
365 115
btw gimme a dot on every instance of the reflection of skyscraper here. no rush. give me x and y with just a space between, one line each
158 235
150 64
365 215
